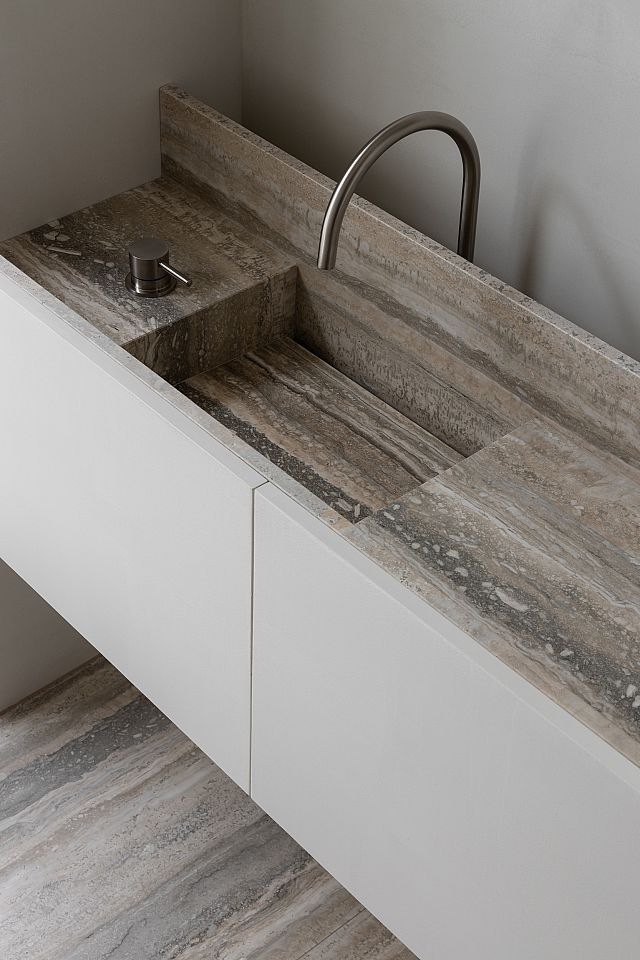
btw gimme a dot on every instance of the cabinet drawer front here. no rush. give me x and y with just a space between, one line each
137 533
437 786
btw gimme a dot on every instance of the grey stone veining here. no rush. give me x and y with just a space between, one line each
119 839
220 332
352 450
533 541
561 370
538 531
392 353
221 258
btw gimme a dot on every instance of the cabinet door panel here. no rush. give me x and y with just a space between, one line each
464 809
136 531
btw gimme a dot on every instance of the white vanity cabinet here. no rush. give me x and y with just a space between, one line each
469 813
472 815
130 521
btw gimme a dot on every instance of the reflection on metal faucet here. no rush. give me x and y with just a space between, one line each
398 130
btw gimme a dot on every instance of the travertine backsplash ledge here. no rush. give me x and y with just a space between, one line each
554 366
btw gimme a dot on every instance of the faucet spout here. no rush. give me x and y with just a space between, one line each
379 144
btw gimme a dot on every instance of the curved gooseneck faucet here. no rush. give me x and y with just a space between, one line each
379 144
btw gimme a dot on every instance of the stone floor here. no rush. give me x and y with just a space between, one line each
119 839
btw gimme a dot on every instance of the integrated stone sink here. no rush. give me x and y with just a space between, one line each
345 412
481 450
355 398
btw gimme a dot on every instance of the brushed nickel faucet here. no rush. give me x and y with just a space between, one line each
379 144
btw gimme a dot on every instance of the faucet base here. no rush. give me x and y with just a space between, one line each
150 288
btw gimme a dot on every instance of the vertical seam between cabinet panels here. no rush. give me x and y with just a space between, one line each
252 627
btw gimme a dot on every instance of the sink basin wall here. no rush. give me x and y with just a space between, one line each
357 404
351 450
402 358
222 331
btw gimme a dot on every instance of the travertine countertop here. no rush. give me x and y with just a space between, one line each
532 543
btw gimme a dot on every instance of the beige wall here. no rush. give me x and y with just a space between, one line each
550 89
79 90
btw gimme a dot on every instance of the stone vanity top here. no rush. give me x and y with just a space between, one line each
482 450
